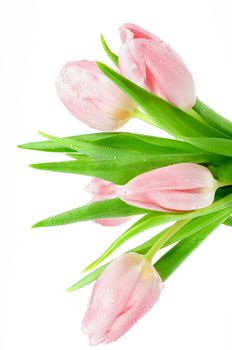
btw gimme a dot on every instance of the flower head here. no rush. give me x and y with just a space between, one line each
154 65
102 190
183 186
127 288
92 97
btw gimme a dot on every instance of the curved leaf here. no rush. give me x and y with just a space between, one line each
109 208
168 117
228 221
199 227
110 54
223 172
212 118
54 146
171 260
215 145
122 140
120 171
158 218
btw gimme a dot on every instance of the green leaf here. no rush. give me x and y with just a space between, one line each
167 116
120 171
87 279
228 221
128 146
110 54
92 276
109 208
54 146
125 141
199 223
92 150
77 156
169 262
214 145
189 229
223 192
212 118
195 227
124 156
158 218
222 172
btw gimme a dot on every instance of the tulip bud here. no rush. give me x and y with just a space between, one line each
127 288
183 186
91 97
101 190
152 64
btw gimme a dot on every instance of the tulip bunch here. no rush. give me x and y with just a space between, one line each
184 181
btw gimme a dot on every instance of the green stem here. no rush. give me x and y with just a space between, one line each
223 184
144 117
196 115
164 238
213 119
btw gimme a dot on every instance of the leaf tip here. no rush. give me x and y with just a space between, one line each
85 269
41 133
25 146
37 224
100 64
105 46
33 166
90 266
102 38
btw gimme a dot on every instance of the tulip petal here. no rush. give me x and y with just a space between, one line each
171 74
141 200
185 200
113 222
91 97
182 176
145 294
155 66
101 190
130 31
132 64
110 295
145 300
184 186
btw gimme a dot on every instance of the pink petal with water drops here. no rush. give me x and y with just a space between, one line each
145 294
124 292
110 295
154 65
92 97
102 190
184 186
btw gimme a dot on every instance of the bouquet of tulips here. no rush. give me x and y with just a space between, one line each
184 181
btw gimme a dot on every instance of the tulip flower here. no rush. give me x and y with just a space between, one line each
91 97
154 65
101 190
127 288
179 187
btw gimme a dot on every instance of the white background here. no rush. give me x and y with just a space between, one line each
37 38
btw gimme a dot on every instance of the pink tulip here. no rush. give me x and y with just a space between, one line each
127 288
101 190
91 97
152 64
184 186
